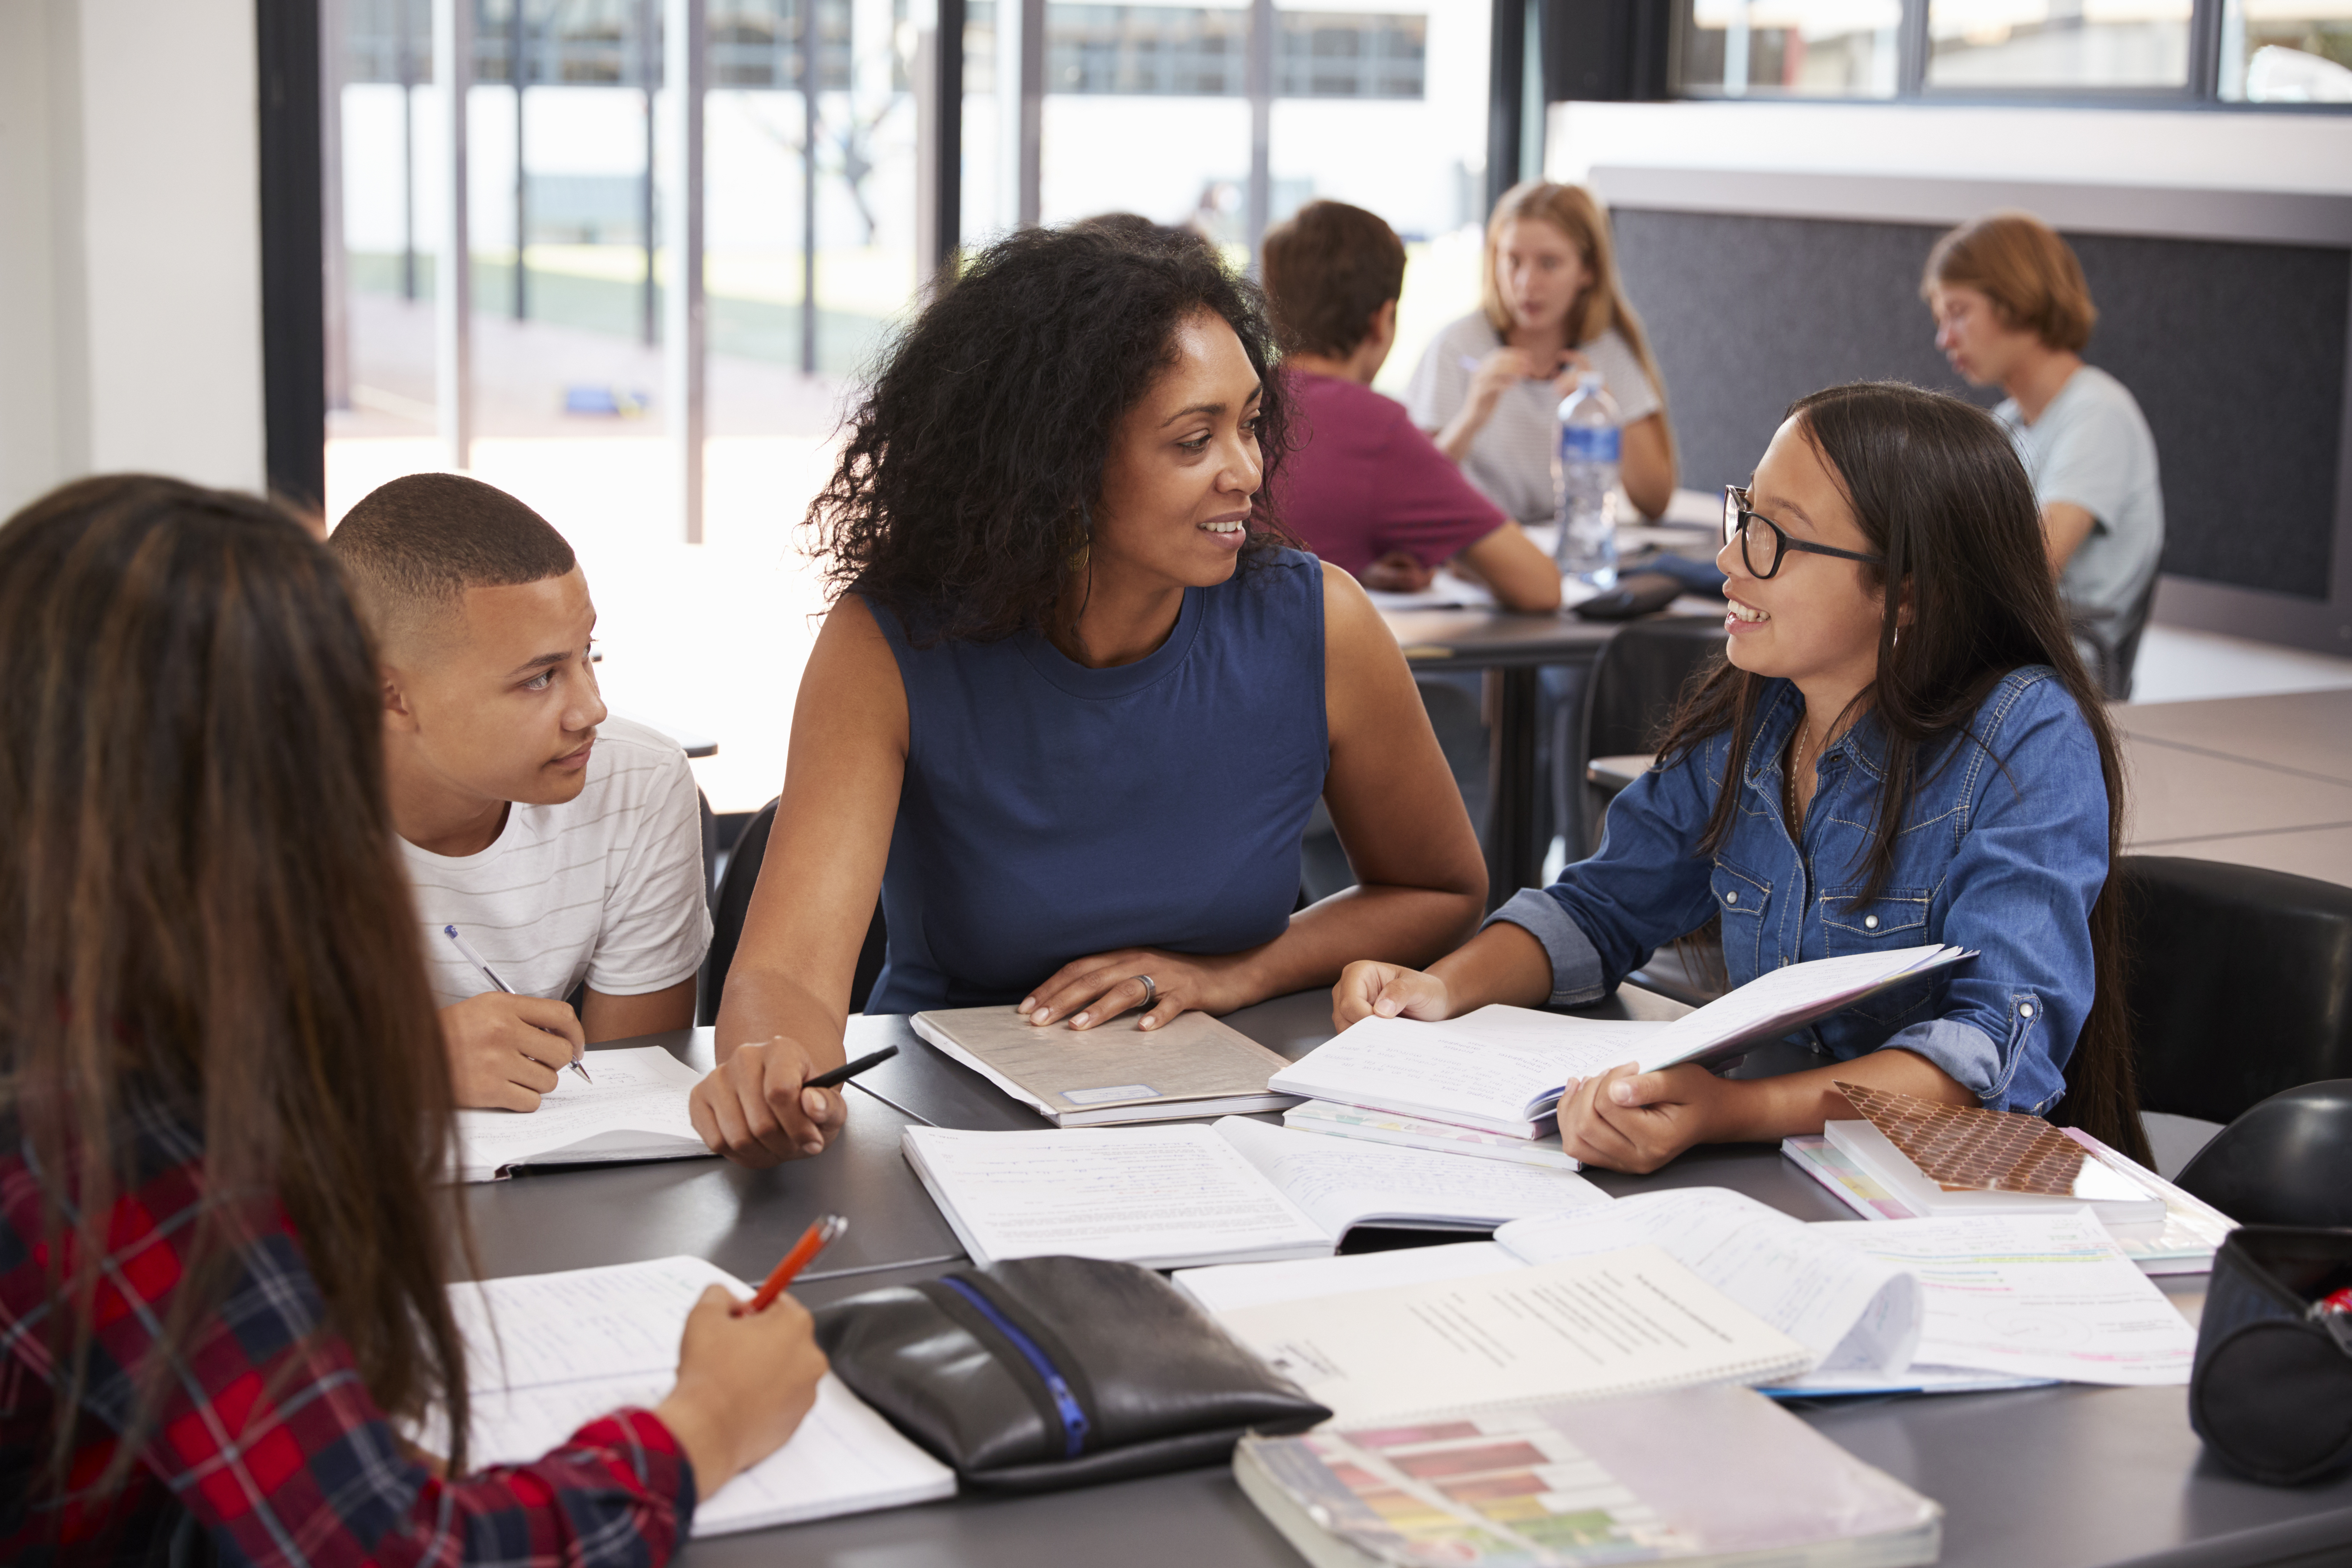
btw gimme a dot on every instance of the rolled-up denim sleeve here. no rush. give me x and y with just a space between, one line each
2028 869
1968 1056
1647 885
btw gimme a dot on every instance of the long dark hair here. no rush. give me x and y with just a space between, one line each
1938 490
206 921
964 499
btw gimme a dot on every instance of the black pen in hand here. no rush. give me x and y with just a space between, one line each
849 1070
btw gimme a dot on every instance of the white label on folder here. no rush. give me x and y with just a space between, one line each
1105 1096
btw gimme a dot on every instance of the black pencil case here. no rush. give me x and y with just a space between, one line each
2271 1392
1042 1373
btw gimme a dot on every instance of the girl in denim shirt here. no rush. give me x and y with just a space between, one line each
1915 756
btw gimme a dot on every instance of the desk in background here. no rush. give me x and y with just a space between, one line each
1509 649
2066 1477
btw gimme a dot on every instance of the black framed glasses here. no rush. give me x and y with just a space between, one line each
1753 529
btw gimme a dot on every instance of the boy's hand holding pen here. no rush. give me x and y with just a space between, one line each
505 1049
465 950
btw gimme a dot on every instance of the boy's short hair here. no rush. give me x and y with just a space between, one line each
412 548
2031 274
1329 269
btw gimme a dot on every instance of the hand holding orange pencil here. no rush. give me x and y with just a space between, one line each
813 1241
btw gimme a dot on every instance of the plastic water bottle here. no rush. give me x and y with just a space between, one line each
1584 481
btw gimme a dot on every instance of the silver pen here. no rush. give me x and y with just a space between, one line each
465 950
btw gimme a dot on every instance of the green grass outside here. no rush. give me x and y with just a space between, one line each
753 329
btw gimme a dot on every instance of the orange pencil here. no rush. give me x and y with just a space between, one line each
813 1241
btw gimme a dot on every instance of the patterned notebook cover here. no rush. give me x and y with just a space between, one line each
1967 1150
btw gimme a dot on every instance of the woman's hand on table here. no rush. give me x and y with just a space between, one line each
1631 1120
752 1108
1090 992
1370 989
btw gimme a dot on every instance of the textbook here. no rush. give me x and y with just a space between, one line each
2184 1243
548 1352
1952 1160
1193 1066
1706 1478
1502 1069
635 1109
1415 1132
1235 1191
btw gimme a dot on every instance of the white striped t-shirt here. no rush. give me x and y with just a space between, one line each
1510 458
605 888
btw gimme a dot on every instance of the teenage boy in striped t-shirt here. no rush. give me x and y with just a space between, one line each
564 844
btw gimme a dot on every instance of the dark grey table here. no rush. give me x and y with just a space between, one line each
741 1220
2057 1477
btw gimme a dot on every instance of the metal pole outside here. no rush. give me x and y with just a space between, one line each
407 47
685 57
649 77
810 81
1032 109
1261 97
518 73
453 290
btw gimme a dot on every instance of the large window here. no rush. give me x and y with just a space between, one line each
809 255
2250 51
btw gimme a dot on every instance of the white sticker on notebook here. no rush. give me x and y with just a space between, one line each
1105 1096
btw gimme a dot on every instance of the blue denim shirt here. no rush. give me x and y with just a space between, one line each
2004 850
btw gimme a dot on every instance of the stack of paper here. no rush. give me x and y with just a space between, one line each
548 1352
1630 1322
1236 1191
1940 1305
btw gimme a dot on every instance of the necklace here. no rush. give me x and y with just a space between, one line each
1796 771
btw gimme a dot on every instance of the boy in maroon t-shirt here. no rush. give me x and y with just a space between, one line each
1365 489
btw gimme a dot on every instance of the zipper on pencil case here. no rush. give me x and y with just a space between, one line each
1074 1417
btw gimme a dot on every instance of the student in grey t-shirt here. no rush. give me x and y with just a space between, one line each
2011 307
1489 387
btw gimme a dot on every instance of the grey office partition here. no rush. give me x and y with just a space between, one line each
2229 314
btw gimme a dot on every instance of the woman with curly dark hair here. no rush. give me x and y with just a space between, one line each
1070 709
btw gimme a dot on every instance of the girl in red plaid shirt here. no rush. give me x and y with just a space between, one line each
224 1107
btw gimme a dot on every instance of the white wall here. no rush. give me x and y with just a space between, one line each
131 257
2210 149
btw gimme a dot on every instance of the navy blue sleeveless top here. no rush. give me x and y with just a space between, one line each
1052 811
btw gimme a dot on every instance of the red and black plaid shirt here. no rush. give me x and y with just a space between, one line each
266 1437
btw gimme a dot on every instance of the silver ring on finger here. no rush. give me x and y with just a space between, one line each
1150 993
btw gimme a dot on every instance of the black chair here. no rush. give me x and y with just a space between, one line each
1635 684
2239 981
734 902
2286 1162
2114 640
